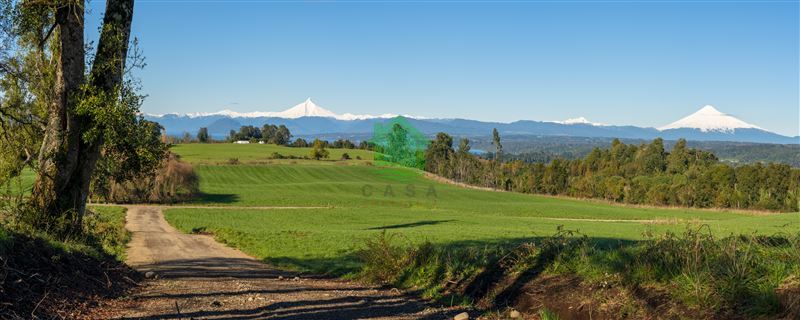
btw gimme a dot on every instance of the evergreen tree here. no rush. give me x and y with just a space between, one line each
202 135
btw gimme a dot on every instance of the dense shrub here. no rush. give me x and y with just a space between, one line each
174 180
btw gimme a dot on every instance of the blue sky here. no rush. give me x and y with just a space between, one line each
640 63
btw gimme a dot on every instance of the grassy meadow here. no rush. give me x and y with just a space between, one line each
359 201
218 153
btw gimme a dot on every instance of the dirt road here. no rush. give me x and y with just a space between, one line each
198 278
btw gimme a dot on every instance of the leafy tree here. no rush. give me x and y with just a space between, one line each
318 150
268 132
202 135
75 115
498 148
300 143
187 138
643 174
282 136
439 155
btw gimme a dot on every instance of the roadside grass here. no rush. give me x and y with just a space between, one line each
47 278
105 227
218 153
691 274
104 234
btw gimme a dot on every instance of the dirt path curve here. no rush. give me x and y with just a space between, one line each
198 278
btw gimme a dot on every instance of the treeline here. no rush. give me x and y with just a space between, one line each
279 135
636 174
566 147
268 133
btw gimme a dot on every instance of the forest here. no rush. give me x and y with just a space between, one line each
644 174
545 148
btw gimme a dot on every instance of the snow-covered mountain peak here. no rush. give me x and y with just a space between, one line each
304 109
710 111
579 120
709 118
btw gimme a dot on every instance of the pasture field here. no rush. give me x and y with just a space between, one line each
356 202
217 153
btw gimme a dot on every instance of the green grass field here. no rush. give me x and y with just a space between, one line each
216 153
362 200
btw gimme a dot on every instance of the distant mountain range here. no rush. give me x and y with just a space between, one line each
307 119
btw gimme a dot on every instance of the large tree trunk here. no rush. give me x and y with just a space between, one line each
67 161
58 156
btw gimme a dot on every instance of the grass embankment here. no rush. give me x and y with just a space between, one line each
688 275
46 278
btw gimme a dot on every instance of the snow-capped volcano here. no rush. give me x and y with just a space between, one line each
304 109
709 118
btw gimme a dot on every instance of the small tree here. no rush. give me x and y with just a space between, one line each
318 150
187 138
202 135
345 156
300 143
498 148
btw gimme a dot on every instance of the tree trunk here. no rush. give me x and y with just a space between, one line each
67 161
58 156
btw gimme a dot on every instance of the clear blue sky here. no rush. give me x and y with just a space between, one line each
641 63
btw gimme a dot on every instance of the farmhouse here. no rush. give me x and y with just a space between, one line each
241 142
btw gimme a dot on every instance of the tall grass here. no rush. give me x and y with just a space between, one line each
173 181
704 276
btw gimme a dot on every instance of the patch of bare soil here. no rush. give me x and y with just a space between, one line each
38 280
191 276
573 299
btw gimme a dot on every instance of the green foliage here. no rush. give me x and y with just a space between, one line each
103 233
440 157
105 228
202 135
300 143
318 150
547 314
269 133
382 259
736 276
644 174
498 147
